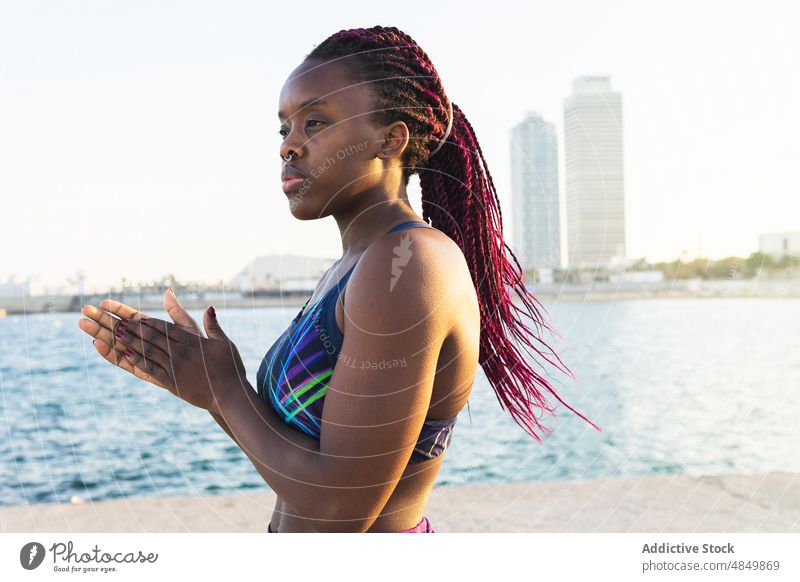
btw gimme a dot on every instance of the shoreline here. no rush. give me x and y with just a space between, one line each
551 293
661 503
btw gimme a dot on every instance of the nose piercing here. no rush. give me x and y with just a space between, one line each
289 159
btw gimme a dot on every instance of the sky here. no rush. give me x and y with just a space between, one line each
140 138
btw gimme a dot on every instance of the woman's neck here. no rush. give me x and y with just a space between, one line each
369 225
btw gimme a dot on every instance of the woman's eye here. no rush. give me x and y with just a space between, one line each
284 131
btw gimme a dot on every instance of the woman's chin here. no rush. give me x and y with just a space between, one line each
302 211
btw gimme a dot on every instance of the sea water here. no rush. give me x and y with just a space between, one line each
678 386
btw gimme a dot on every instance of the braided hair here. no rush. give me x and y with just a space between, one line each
459 199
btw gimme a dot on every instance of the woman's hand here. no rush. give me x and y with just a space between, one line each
175 356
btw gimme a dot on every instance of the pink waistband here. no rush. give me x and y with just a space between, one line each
424 526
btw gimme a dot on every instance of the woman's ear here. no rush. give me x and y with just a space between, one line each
395 141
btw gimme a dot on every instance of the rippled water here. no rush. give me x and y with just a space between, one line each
708 386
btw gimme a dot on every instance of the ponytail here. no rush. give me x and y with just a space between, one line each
459 199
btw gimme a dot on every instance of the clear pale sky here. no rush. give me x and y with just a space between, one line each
140 138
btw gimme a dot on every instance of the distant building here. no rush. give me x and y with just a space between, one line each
593 178
15 286
281 272
534 191
544 276
637 277
778 245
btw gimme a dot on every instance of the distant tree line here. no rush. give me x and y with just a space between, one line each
727 268
757 264
169 280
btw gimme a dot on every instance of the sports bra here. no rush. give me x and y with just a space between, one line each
294 374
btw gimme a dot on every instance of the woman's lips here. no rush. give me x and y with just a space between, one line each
290 184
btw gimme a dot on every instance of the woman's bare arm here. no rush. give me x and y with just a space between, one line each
224 425
288 460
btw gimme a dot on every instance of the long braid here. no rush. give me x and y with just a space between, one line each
459 199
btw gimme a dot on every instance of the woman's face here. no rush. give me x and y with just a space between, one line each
324 121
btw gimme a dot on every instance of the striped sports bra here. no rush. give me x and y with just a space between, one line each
294 374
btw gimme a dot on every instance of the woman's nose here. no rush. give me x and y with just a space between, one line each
289 149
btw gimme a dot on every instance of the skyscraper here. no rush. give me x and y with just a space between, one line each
594 174
534 191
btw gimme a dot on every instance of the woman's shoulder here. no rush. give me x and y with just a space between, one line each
423 264
422 251
434 248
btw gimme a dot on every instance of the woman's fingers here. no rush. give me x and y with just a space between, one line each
110 330
142 351
110 308
158 332
118 358
106 323
107 320
152 345
120 309
178 314
94 329
145 366
171 304
103 318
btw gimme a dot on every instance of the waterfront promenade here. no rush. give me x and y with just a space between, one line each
663 503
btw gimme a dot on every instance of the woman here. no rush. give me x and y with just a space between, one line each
403 318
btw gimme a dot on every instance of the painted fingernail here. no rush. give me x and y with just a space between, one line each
119 333
123 322
143 320
128 353
212 312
